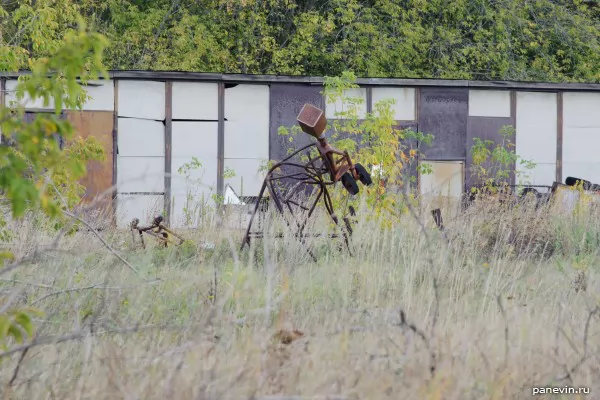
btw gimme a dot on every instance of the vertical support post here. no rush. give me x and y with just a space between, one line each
221 140
168 148
369 100
417 105
2 91
2 99
559 136
513 116
115 146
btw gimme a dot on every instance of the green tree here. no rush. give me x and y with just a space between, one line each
548 40
35 174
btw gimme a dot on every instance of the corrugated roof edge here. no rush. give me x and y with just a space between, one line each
312 80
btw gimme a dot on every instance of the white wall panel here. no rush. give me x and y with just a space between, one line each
584 170
201 182
204 177
581 144
248 103
29 104
142 99
141 174
185 212
195 100
536 136
580 153
446 179
581 136
536 130
489 103
244 141
581 110
140 137
404 107
339 106
542 174
199 139
247 180
247 121
143 207
102 96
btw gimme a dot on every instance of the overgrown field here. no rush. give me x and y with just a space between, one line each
506 301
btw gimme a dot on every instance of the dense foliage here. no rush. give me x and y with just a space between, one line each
36 175
541 40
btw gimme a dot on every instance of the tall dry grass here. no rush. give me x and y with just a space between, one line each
503 301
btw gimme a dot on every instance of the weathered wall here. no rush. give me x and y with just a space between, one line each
195 114
253 112
140 150
489 111
286 102
443 113
99 125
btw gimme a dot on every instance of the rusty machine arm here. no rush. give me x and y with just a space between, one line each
157 230
309 175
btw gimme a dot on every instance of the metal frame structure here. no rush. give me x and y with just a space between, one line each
156 230
311 181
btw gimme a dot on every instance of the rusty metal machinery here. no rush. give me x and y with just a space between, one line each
295 187
560 194
157 230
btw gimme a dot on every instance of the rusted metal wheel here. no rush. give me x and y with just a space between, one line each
350 183
363 175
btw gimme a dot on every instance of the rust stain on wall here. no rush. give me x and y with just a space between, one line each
97 124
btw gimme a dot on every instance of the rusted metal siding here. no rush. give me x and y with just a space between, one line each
443 113
99 125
